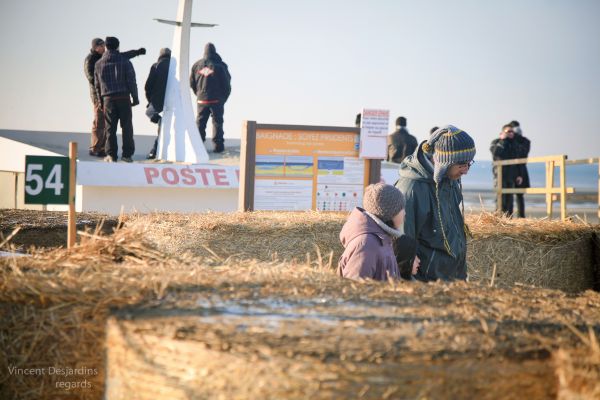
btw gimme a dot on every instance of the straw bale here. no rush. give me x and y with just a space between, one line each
47 228
55 304
257 235
578 373
544 253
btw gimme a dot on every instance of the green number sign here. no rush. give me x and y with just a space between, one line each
46 180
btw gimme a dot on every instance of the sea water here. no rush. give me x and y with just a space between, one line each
478 184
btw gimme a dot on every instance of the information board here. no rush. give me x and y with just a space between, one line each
290 168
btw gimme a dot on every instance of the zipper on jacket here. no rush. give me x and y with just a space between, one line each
430 261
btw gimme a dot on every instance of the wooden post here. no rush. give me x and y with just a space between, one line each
598 187
71 232
563 187
499 188
247 162
549 185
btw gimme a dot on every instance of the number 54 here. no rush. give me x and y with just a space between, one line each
52 182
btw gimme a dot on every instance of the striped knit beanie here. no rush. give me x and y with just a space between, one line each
383 201
448 145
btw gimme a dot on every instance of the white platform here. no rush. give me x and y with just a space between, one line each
142 186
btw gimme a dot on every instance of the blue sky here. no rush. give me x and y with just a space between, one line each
475 64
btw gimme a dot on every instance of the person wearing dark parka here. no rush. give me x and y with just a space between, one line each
430 180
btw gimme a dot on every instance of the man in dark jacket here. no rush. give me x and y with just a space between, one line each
430 181
155 88
114 79
211 81
504 148
98 136
400 143
522 146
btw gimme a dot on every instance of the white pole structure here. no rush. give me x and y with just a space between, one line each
179 137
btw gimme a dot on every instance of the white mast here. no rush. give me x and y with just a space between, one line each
179 137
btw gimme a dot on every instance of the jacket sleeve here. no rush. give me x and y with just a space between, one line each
97 85
131 83
129 54
359 263
193 78
150 83
416 214
499 149
226 83
88 67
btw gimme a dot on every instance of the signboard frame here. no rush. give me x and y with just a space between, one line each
246 199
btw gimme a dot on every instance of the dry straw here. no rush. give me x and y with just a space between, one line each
54 305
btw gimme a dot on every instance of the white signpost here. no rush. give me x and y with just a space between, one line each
179 137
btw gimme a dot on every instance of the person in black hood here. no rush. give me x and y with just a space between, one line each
156 86
504 148
211 81
98 136
400 143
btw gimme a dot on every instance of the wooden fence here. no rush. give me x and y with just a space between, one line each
549 190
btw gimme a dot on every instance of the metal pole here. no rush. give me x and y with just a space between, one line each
71 232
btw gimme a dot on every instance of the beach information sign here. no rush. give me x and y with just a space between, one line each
46 180
373 133
302 168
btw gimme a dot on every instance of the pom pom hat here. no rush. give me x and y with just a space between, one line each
447 146
383 201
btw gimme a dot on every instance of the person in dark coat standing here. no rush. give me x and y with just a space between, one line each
400 143
211 81
114 78
98 137
368 233
522 145
504 148
430 180
155 88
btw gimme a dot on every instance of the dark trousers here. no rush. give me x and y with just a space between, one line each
507 199
155 147
98 137
216 111
521 205
118 109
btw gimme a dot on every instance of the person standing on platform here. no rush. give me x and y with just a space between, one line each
211 81
400 143
114 78
522 147
430 180
98 137
155 88
503 148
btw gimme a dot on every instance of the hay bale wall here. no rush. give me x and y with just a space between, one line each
550 254
55 304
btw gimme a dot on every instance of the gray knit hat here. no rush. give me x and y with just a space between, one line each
383 201
449 145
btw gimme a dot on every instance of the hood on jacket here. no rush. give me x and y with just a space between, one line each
165 52
416 167
359 223
209 50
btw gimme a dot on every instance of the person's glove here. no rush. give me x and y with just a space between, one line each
135 102
141 51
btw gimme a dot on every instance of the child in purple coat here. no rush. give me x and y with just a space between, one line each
369 233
